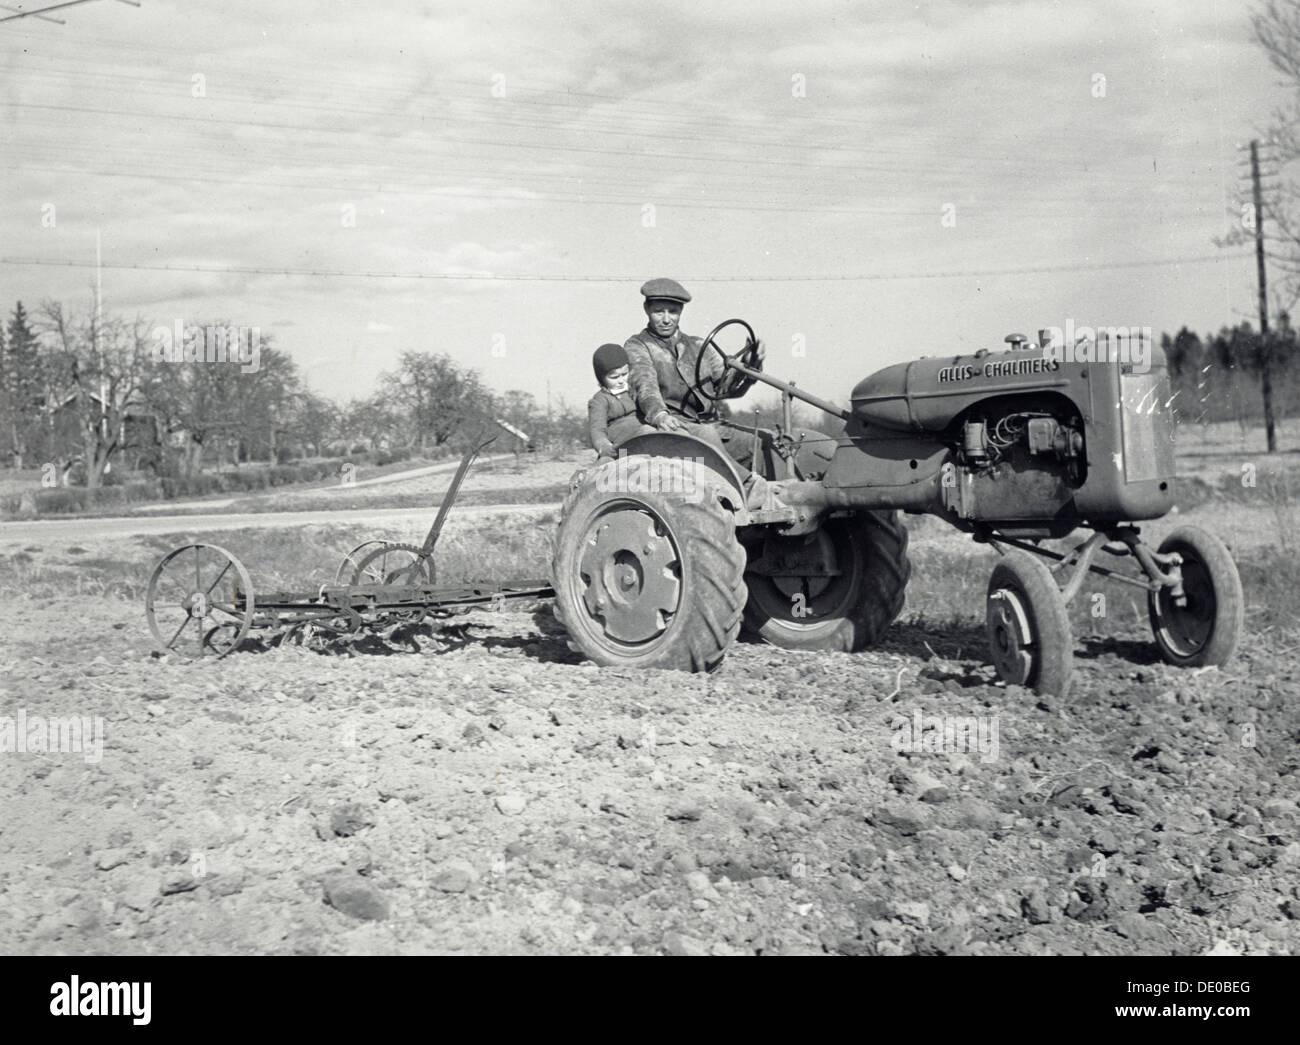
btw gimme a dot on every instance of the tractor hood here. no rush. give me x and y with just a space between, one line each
926 394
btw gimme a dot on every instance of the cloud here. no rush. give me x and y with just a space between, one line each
391 111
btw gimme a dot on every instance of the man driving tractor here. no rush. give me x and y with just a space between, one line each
663 363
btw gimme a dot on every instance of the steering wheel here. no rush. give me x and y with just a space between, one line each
747 356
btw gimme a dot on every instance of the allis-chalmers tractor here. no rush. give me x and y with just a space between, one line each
659 561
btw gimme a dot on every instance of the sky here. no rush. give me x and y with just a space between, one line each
863 183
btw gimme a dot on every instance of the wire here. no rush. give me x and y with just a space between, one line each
616 126
406 137
520 277
649 107
42 10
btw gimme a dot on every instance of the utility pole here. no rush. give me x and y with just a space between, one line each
1265 342
99 319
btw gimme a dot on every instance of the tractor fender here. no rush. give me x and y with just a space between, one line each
690 447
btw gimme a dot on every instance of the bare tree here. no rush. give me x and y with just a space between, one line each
1276 27
438 397
101 367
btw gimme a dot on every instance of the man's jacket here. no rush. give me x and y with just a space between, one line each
662 370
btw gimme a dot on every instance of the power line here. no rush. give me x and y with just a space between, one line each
56 7
649 107
602 195
618 127
621 178
529 278
33 14
406 137
503 195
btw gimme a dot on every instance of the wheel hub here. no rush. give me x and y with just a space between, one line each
629 570
1188 622
803 566
1010 636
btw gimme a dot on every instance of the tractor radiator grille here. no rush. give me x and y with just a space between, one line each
1148 428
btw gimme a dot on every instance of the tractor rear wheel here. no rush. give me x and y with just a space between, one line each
837 588
649 574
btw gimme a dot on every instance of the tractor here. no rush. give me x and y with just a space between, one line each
660 562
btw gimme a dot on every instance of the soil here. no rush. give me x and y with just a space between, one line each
489 792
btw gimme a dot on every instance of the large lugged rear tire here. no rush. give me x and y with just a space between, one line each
649 574
848 610
1205 629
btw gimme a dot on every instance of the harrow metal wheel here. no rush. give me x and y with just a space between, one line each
1030 640
1204 628
199 602
348 567
394 564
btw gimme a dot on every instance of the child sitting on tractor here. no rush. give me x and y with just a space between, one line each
613 416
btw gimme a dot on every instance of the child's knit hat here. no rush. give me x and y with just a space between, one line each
607 358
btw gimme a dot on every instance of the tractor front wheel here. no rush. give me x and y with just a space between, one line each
1201 627
647 569
1029 630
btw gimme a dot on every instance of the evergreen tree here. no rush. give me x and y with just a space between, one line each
4 387
24 384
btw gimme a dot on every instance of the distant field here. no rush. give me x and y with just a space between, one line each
1218 450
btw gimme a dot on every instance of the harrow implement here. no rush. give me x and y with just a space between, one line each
200 601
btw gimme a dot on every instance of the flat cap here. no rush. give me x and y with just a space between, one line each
668 289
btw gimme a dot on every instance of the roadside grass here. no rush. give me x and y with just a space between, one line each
300 558
24 575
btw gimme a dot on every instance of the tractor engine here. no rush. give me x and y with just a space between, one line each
987 442
1008 457
1023 440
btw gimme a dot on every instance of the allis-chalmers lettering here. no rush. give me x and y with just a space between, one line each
1000 368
